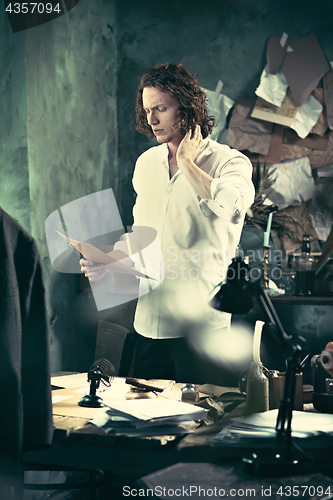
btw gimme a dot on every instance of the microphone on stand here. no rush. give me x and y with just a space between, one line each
101 372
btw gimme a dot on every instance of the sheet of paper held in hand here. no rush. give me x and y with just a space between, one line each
90 252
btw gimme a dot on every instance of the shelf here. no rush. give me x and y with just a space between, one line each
295 300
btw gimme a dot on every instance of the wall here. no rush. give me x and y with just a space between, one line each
14 185
60 129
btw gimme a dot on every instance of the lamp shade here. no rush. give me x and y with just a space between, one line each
233 295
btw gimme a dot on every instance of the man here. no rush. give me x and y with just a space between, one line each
194 192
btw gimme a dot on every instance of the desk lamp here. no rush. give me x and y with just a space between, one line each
235 295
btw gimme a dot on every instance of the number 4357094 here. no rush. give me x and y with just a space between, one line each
301 491
33 7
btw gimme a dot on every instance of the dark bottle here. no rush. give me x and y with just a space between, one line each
305 270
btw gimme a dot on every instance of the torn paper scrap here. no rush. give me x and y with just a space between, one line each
275 147
321 126
322 223
311 141
219 106
275 53
246 133
283 115
306 117
293 147
328 95
301 119
294 151
321 205
272 88
304 67
319 158
293 183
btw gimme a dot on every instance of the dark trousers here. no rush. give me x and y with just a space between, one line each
170 359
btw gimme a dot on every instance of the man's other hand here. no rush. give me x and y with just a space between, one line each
189 147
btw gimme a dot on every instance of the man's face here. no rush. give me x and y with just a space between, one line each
162 115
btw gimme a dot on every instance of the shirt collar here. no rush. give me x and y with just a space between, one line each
165 150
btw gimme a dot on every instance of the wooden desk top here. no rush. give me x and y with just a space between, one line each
79 443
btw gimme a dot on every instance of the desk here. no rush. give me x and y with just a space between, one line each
79 443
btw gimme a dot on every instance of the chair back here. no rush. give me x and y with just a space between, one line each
110 343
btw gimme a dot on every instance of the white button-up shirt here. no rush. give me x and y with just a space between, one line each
198 237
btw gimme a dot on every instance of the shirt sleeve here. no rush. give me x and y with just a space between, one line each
232 191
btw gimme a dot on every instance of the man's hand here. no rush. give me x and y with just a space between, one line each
94 272
187 152
189 147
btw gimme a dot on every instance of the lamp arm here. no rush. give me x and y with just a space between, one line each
292 350
290 344
286 406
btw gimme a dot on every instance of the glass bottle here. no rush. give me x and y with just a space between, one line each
305 270
190 394
257 390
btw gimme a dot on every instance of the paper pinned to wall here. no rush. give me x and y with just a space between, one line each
301 119
283 115
219 106
304 67
272 88
328 95
298 68
306 117
244 133
276 51
293 183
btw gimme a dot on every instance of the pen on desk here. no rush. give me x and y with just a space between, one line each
141 385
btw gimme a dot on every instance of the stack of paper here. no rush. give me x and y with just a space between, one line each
259 429
147 417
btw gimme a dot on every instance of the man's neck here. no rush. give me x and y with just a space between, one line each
173 147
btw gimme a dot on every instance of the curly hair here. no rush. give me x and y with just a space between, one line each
184 87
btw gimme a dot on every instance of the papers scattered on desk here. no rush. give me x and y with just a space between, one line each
58 398
69 381
259 429
148 417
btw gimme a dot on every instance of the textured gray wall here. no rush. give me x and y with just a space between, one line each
72 146
59 142
14 183
67 98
